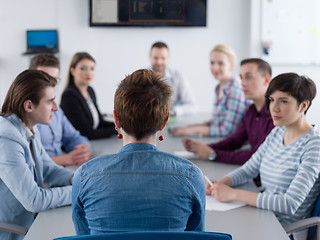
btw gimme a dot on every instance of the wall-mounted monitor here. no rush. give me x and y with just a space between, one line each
148 12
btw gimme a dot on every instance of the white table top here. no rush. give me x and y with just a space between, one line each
242 223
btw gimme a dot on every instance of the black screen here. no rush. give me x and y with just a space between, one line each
148 12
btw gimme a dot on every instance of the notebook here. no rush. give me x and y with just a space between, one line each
42 41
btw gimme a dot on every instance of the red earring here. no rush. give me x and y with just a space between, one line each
161 137
119 134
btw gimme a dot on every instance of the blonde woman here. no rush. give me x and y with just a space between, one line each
229 105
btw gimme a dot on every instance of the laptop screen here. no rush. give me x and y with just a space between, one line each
42 39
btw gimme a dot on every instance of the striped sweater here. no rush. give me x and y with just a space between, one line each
289 174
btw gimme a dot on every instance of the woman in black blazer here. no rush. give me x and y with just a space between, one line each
79 101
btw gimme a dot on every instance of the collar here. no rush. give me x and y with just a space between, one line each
227 86
29 133
263 111
131 147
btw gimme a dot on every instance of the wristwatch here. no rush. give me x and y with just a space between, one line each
212 155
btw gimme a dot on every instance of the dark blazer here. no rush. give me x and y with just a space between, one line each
77 111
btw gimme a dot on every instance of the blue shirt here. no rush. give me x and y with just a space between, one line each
60 133
23 174
139 188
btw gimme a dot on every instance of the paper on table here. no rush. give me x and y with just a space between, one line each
185 154
213 204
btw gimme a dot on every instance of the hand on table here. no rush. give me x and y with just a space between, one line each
198 129
199 149
80 154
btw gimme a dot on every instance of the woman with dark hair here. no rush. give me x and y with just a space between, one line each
25 166
139 188
288 160
79 100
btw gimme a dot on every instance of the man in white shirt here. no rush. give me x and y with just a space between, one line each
182 100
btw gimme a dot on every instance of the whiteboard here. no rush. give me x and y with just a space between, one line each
292 29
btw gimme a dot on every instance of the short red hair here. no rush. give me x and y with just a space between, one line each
142 103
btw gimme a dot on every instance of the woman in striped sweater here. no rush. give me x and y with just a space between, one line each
289 159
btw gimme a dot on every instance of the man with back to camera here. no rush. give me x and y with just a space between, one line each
256 124
60 133
182 101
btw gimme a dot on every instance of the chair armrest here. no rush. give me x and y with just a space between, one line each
8 227
302 224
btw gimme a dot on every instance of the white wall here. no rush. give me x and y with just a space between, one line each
119 51
312 71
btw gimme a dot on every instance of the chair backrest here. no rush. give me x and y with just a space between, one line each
315 213
153 235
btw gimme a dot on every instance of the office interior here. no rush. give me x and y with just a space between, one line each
118 51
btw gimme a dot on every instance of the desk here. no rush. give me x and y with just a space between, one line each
243 223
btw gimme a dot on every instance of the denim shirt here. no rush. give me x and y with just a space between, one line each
139 188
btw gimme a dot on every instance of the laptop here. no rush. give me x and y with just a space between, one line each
42 41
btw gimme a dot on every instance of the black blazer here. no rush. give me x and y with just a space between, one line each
77 111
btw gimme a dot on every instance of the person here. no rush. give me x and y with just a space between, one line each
139 188
182 100
60 132
26 168
79 102
288 160
230 103
255 75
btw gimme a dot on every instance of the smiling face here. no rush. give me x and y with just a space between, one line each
284 109
220 66
159 58
84 72
253 82
42 113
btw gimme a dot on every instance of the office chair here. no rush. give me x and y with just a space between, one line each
313 223
152 235
8 227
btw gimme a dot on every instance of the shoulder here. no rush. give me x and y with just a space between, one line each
10 127
12 131
70 93
234 88
276 135
312 137
173 74
96 165
178 164
71 90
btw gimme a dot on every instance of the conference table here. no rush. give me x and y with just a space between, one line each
242 223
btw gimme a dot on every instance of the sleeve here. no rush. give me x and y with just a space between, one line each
70 136
196 221
72 107
252 167
233 112
301 185
226 149
187 103
19 178
78 214
46 139
53 174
